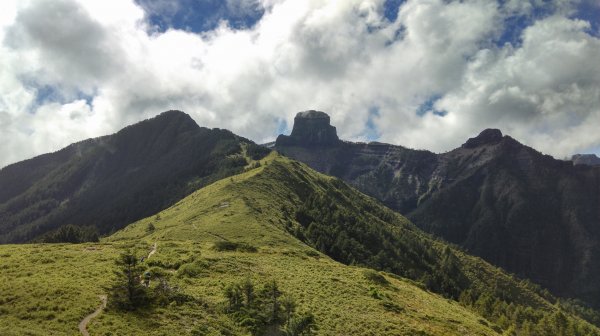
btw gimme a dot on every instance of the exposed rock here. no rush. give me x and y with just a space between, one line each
311 128
521 210
486 137
586 159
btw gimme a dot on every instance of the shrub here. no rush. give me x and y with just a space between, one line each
127 293
191 270
234 246
71 234
267 309
375 277
150 227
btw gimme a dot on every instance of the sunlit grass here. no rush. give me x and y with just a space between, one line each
48 289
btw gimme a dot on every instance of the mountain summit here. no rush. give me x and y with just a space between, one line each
311 128
486 137
586 159
517 208
106 183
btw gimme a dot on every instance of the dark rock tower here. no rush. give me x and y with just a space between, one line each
311 128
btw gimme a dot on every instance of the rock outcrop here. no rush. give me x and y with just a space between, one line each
311 128
586 159
521 210
488 136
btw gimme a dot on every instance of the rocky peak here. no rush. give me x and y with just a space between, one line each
488 136
311 128
176 117
170 122
586 159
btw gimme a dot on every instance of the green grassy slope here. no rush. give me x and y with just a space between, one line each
280 196
48 289
248 209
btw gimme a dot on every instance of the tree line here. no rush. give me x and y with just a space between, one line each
358 233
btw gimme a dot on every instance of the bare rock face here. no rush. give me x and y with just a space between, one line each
311 128
586 159
521 210
486 137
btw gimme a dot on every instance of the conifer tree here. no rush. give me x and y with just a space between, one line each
127 292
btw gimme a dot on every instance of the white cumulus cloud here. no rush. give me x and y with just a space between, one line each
72 69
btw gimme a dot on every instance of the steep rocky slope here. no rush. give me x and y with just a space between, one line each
519 209
586 159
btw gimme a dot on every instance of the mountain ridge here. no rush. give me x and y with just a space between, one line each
586 159
284 198
110 181
235 209
522 210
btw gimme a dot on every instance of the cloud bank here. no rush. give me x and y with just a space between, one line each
430 77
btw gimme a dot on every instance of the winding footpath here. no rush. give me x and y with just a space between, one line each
84 323
152 251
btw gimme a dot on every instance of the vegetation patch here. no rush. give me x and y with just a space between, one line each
376 278
70 234
38 298
222 246
192 270
392 306
267 310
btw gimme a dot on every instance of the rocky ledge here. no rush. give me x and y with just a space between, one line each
488 136
586 159
311 128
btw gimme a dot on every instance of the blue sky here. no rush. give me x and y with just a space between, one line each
204 15
425 74
200 15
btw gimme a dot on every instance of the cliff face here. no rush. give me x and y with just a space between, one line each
311 128
524 211
586 159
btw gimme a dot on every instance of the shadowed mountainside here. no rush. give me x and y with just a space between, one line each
263 226
519 209
586 159
103 184
263 208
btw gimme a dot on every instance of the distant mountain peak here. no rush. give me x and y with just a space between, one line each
313 114
311 128
494 196
167 124
488 136
586 159
173 113
176 116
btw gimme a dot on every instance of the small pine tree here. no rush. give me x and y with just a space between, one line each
248 288
150 228
127 292
303 325
267 310
271 293
289 307
235 298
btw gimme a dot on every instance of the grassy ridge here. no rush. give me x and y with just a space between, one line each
241 209
231 230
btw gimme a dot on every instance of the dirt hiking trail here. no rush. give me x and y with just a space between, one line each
83 324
